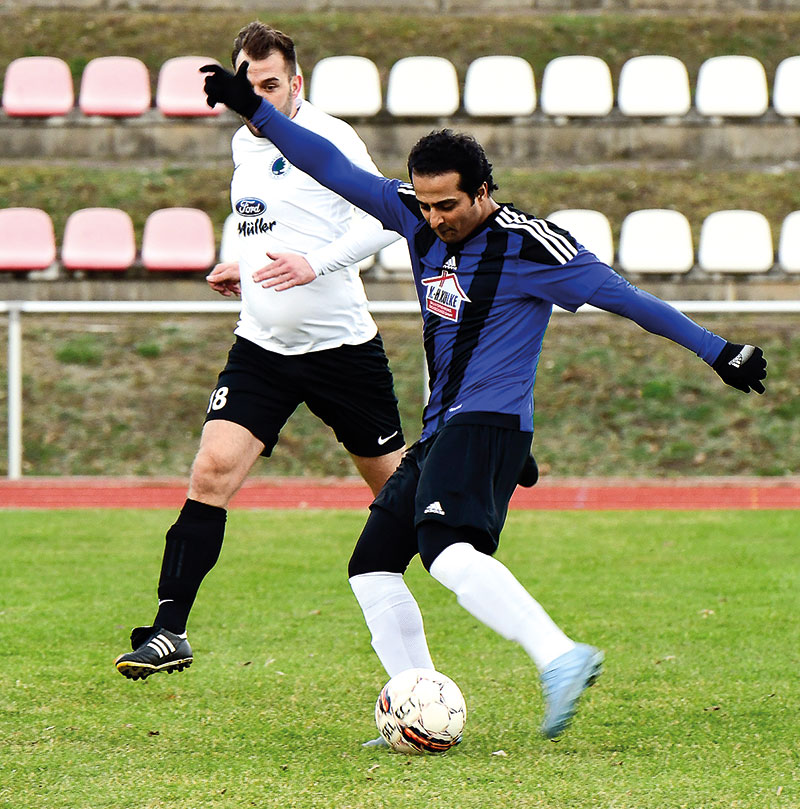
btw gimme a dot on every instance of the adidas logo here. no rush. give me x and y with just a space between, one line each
162 645
742 357
435 508
450 264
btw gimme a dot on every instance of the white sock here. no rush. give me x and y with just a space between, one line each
394 619
489 591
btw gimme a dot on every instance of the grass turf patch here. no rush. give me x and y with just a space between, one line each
611 400
697 707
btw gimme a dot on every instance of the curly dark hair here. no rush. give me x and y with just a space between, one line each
260 40
443 151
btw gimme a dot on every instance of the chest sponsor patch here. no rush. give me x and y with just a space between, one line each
444 296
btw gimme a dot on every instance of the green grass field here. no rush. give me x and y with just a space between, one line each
697 612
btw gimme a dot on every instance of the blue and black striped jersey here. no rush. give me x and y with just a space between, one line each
487 301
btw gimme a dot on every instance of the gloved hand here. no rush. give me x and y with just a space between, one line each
742 367
234 91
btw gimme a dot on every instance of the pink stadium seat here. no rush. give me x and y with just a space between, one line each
178 239
180 87
38 86
98 239
115 86
27 240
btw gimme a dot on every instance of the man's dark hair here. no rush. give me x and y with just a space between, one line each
260 40
444 151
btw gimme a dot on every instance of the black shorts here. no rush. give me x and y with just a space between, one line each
461 477
350 388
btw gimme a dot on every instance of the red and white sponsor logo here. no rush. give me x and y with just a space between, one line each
444 296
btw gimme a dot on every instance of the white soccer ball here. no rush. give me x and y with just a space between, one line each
421 711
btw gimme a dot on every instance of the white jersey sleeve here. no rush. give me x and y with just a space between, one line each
280 209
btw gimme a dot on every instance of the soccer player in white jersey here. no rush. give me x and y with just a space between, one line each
296 341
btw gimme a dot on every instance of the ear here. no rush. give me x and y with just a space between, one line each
296 85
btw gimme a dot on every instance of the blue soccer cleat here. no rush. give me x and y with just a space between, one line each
563 682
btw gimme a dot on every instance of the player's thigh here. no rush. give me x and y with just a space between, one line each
376 471
351 389
227 453
466 483
257 390
389 540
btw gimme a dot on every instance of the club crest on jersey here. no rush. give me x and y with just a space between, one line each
444 296
280 166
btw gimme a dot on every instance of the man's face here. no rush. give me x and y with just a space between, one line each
451 213
271 79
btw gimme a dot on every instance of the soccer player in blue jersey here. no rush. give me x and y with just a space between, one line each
487 276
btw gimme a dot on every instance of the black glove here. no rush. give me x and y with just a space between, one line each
741 367
234 91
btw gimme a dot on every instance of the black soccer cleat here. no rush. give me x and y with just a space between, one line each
154 650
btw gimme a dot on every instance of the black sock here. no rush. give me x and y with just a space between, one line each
192 548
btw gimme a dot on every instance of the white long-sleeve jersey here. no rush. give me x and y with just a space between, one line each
279 209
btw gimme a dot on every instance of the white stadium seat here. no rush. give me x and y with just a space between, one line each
346 86
422 86
656 240
733 85
499 85
735 241
395 257
654 85
574 86
786 88
789 243
591 228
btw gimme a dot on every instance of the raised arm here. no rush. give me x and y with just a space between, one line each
741 366
308 151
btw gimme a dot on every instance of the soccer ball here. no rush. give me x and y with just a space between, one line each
421 711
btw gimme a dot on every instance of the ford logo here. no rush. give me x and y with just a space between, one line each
250 206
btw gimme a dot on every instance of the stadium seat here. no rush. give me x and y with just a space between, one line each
27 239
179 91
229 243
346 86
115 86
98 239
732 85
178 239
789 243
422 86
591 228
38 86
656 241
654 85
499 85
575 86
395 257
786 88
735 241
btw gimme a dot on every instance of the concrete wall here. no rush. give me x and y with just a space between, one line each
534 141
432 6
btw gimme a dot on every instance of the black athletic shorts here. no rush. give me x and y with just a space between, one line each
350 388
462 477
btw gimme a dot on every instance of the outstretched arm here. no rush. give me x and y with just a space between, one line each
308 151
741 366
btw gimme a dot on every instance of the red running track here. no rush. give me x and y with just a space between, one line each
548 494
